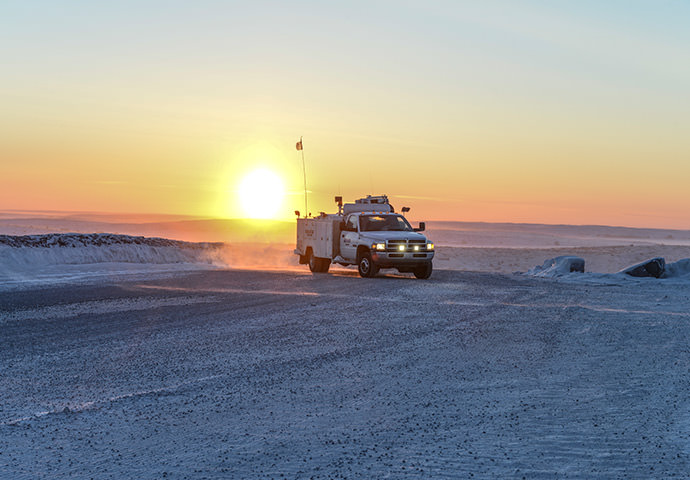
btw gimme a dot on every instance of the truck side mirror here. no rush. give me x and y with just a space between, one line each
422 227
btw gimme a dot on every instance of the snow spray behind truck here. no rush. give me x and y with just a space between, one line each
367 233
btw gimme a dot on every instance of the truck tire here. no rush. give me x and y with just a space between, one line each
324 264
423 271
317 264
366 266
313 262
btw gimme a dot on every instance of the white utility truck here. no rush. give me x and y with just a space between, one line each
367 233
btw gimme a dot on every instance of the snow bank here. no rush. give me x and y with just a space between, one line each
74 248
559 266
58 258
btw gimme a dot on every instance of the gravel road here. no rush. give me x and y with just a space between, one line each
249 374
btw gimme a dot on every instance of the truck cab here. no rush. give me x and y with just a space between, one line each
367 233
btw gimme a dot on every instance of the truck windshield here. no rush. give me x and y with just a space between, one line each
379 223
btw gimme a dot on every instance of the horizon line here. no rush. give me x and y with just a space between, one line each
189 217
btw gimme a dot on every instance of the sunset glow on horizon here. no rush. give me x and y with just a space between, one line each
525 112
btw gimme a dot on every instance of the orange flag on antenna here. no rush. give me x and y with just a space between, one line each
299 145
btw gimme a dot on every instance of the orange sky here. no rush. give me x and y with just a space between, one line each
513 112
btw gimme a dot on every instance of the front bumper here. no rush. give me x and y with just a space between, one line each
395 259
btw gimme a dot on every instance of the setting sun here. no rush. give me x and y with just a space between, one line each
261 194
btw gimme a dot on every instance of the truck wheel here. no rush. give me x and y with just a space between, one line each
317 264
423 271
313 262
325 263
367 268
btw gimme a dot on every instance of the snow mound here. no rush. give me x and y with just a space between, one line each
653 267
26 251
649 271
559 266
679 269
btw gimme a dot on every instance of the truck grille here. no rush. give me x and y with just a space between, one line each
406 246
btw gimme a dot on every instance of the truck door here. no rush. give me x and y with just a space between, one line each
349 238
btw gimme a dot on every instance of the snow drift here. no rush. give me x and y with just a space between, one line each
18 252
651 269
71 257
559 266
679 269
45 259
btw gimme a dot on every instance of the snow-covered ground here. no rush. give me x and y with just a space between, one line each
250 374
131 357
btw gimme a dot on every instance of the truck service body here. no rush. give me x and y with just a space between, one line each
367 233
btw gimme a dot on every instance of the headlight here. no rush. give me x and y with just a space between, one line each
379 246
401 248
429 246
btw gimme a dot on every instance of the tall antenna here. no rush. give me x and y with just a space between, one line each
304 172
